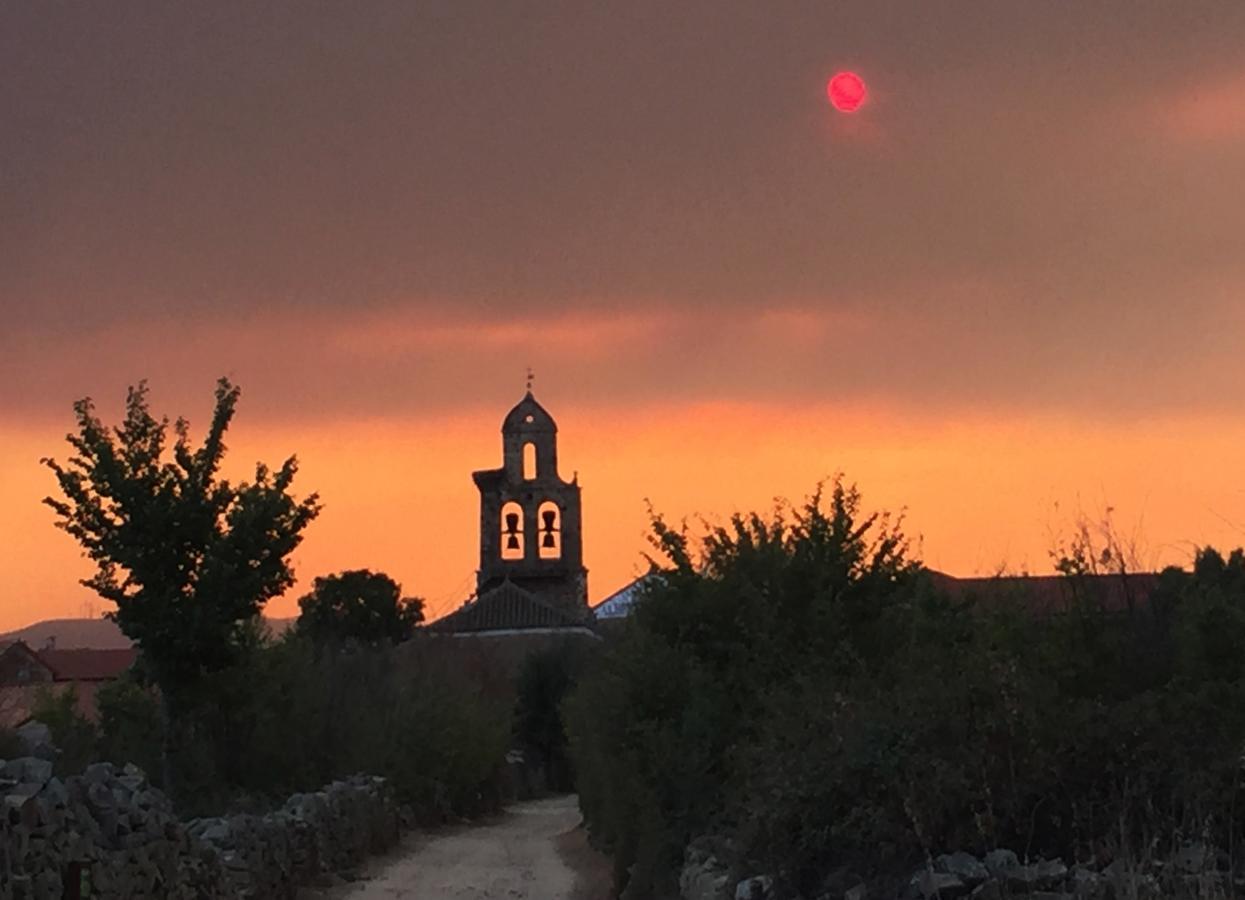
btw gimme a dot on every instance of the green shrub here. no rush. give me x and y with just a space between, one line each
662 726
794 685
544 682
446 750
292 716
130 730
72 733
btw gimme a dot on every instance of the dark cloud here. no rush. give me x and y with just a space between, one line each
963 351
1023 211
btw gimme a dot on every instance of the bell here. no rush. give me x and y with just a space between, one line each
512 531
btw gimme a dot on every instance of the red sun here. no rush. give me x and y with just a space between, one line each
847 92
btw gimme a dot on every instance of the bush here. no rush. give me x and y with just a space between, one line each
545 679
72 733
793 685
662 726
130 727
293 716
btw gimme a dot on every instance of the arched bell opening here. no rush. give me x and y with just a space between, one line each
549 522
512 539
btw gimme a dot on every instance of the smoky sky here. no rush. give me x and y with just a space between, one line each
1040 204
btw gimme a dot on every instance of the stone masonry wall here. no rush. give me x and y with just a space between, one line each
115 833
1193 872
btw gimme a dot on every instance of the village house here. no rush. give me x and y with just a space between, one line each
25 674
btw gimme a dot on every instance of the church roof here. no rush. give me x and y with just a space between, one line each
1050 594
506 607
528 415
619 604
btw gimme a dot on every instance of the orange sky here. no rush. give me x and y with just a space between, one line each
979 493
1012 279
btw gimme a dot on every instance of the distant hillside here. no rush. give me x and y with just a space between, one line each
97 634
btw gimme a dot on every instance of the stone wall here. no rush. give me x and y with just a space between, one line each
1191 873
116 835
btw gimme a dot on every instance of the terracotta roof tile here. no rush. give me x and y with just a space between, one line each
88 665
1049 594
505 608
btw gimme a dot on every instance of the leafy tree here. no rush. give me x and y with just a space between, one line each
187 557
741 614
1213 617
359 605
794 691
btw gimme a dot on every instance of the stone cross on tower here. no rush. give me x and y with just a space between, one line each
530 519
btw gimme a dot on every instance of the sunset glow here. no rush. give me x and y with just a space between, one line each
986 305
979 494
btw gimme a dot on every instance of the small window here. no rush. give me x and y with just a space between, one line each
512 546
529 461
549 521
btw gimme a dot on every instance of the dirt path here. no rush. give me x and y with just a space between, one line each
534 852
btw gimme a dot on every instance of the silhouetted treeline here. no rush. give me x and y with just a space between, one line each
216 711
792 684
291 715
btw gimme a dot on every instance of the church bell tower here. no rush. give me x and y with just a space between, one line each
530 521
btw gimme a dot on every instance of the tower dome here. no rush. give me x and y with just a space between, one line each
528 417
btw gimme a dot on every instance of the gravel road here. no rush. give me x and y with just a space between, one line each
523 855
